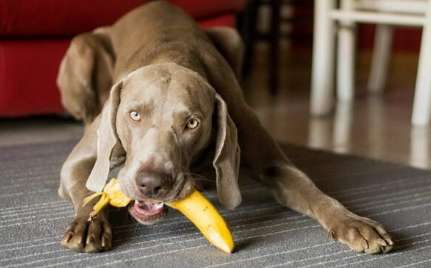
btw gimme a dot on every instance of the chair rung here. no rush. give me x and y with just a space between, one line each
393 6
378 18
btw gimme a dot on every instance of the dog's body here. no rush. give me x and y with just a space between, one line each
170 87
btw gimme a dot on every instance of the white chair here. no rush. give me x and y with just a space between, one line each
331 19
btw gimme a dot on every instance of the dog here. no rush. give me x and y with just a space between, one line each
161 104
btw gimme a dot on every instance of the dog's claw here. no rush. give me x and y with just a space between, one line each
67 237
362 235
86 235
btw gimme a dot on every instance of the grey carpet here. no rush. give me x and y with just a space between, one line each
33 218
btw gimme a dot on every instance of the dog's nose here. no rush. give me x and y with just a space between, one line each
150 184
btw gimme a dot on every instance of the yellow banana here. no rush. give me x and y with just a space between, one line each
195 207
207 219
111 195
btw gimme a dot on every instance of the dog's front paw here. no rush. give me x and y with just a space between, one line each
361 234
88 236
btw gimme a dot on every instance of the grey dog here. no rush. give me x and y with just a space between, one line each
161 104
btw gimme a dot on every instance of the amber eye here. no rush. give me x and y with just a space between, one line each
192 123
136 116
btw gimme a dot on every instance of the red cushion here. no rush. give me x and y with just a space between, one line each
28 71
67 18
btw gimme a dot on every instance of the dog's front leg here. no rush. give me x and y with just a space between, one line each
83 235
292 188
88 236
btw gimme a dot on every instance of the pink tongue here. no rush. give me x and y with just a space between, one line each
148 207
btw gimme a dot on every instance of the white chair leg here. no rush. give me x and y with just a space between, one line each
419 144
343 127
422 101
323 58
320 133
381 58
346 56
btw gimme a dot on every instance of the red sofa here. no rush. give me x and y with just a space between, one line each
34 35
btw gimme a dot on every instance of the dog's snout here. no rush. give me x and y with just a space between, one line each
154 163
150 184
155 174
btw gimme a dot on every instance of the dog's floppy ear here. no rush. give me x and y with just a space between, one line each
107 139
227 157
85 74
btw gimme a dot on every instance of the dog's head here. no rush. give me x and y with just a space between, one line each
164 117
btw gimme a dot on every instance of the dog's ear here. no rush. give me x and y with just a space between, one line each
85 74
107 140
229 43
227 157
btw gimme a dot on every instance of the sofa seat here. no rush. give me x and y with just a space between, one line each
34 35
66 18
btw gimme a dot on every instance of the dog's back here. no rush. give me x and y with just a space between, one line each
153 31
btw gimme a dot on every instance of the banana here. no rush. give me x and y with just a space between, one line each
195 207
111 195
205 216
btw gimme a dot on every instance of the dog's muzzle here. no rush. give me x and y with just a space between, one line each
147 211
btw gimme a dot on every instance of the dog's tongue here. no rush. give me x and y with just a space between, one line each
148 208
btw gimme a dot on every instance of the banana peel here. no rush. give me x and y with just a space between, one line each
207 219
111 195
196 207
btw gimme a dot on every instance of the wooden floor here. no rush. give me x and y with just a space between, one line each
376 126
372 126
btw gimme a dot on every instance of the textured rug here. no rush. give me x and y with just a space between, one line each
33 219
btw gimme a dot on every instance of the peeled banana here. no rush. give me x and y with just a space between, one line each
195 207
111 195
207 219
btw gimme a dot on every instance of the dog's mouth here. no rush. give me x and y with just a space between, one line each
147 211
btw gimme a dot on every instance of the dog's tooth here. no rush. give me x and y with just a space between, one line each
158 205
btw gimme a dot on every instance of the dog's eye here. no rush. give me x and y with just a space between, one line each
192 123
135 115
